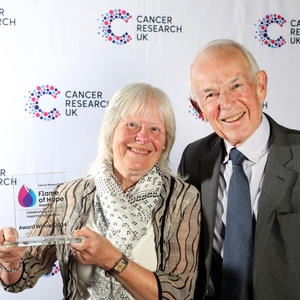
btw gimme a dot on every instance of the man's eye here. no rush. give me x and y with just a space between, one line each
210 95
237 85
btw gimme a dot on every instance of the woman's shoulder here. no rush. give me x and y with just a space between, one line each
82 184
182 192
180 184
179 199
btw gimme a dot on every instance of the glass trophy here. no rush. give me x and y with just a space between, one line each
39 211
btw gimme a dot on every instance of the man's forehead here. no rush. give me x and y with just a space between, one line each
220 50
217 82
218 76
219 55
219 69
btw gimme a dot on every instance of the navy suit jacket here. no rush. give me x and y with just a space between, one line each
276 269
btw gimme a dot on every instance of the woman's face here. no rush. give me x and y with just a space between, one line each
138 142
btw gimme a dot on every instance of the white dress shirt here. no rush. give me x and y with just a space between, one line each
256 149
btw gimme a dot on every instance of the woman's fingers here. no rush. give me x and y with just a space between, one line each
9 234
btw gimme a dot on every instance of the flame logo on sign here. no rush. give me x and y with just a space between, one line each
26 197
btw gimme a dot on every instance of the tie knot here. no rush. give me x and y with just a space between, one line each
236 156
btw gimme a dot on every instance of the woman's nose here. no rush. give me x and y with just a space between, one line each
142 136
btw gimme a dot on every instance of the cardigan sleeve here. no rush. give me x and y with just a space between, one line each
178 252
34 266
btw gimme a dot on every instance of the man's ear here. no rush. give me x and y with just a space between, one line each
196 107
261 85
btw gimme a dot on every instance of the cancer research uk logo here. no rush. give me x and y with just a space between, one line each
68 103
5 179
6 20
55 270
273 31
106 23
262 30
145 26
33 104
26 197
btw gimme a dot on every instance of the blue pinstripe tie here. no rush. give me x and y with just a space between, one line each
238 243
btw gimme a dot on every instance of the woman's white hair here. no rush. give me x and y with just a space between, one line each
132 99
219 44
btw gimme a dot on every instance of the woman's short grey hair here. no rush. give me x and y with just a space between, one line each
221 43
132 99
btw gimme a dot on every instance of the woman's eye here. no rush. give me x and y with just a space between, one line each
131 125
155 129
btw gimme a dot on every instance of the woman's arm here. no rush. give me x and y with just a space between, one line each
178 254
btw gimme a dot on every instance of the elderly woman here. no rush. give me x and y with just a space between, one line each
141 224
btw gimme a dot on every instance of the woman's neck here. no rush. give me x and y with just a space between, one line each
127 180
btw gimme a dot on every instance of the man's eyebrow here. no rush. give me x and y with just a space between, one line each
210 89
234 79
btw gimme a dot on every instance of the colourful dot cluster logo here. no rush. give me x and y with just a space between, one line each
33 104
55 270
262 31
26 197
107 33
193 110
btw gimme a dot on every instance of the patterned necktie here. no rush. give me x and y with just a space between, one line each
238 243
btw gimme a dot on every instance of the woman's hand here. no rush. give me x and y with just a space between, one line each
95 249
10 257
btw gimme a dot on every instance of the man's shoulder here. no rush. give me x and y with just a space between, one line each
203 142
293 135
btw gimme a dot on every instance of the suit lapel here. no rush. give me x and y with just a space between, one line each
210 171
276 183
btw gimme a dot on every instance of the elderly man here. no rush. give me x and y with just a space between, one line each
248 174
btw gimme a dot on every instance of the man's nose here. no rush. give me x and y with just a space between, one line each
225 99
142 136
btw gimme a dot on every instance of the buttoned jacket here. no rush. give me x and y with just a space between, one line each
276 269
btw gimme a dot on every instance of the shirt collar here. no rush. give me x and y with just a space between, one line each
256 145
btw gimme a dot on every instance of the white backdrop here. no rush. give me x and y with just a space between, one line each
61 44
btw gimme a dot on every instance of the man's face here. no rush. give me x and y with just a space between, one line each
229 97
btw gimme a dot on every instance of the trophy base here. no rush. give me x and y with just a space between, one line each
43 240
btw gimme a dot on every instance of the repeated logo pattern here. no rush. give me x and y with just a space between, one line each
26 197
106 29
262 31
55 270
193 110
33 104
